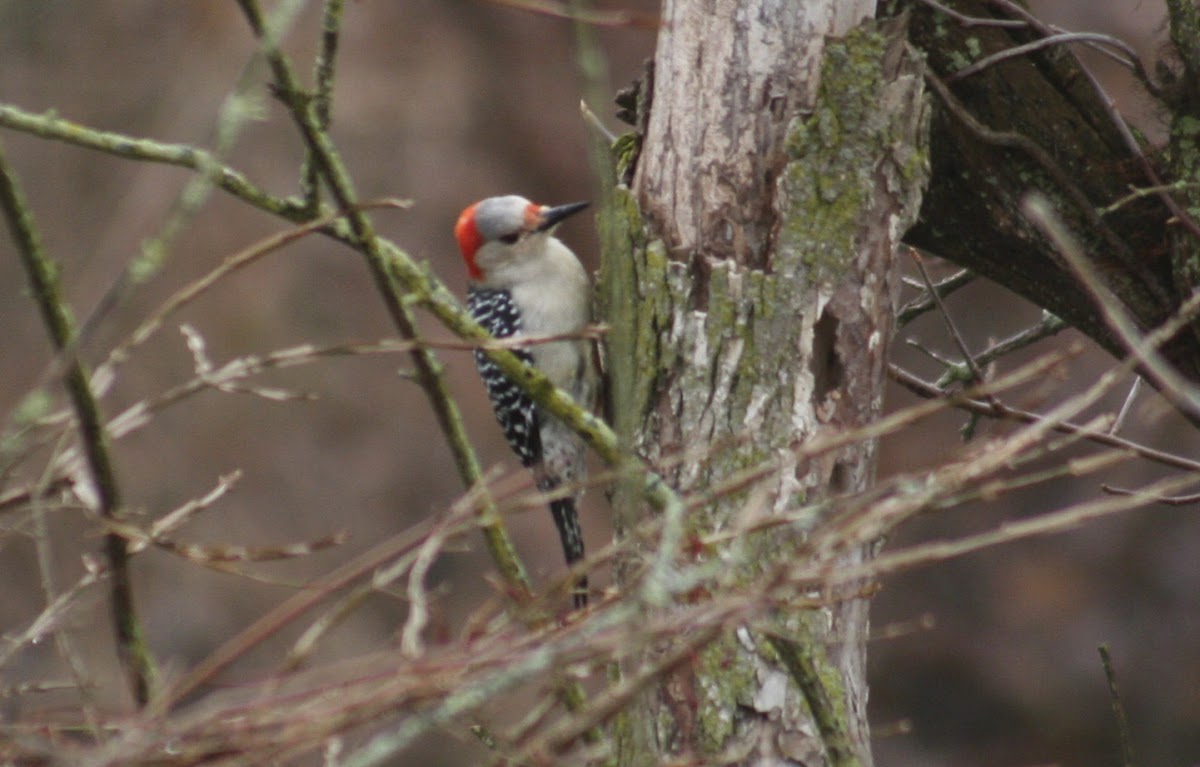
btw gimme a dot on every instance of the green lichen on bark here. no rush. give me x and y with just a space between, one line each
635 304
831 173
722 679
709 355
1184 148
1185 164
808 664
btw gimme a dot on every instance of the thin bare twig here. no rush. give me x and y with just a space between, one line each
44 549
617 697
323 72
1047 524
1134 62
1138 193
1126 406
973 21
590 16
928 390
105 373
825 443
1045 42
924 302
231 264
236 110
867 521
1049 325
1166 500
977 374
50 616
172 521
288 611
51 126
425 556
43 277
1118 707
1182 393
449 525
1075 468
225 552
1163 191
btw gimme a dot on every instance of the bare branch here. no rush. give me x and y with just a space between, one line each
1118 707
1182 393
43 278
925 302
592 16
973 21
1047 524
1046 42
929 391
50 126
53 614
977 375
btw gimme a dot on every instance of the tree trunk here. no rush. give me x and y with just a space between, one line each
748 282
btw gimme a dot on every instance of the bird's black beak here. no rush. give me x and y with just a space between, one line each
552 216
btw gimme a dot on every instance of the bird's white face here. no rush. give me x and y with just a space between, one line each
496 231
505 231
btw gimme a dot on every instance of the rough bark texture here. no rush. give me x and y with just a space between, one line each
1035 122
748 280
1184 155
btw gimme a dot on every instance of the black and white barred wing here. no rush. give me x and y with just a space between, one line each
515 412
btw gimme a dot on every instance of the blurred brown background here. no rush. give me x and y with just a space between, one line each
444 102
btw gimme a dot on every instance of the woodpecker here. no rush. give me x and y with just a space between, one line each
524 282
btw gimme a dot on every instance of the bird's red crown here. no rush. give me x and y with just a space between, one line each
469 240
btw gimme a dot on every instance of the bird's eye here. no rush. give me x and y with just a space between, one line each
510 239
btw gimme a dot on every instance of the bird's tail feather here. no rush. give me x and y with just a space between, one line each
566 518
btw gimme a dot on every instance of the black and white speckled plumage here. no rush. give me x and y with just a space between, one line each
495 311
493 308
